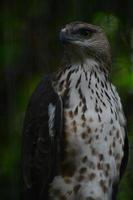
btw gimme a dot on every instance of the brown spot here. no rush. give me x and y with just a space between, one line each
117 157
89 130
117 134
74 128
110 152
99 118
80 178
100 110
74 123
99 166
67 180
89 141
84 135
76 188
83 117
110 133
82 170
91 176
97 137
84 108
84 159
101 157
101 130
113 144
76 111
108 166
93 150
70 114
63 197
111 121
105 138
103 185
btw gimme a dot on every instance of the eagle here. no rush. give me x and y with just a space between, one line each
75 145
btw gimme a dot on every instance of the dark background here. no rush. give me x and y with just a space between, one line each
29 48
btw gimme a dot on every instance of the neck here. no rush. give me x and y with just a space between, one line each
82 58
85 66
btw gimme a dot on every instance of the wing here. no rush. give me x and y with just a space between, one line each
125 156
41 140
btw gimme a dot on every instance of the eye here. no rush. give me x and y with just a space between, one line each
85 32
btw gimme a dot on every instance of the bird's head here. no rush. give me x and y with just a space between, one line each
83 40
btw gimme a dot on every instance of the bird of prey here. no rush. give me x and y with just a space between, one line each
75 145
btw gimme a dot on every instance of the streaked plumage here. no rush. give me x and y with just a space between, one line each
75 145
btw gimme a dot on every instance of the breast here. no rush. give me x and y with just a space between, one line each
91 129
93 139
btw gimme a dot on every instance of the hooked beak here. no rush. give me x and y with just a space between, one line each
65 37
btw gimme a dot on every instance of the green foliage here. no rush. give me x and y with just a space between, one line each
124 77
109 22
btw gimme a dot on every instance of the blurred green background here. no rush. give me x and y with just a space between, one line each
29 48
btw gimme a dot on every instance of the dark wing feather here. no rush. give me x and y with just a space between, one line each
126 155
40 150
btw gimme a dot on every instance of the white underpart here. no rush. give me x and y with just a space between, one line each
51 115
74 140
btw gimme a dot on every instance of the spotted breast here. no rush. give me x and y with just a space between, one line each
93 134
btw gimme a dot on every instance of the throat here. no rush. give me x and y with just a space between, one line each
78 78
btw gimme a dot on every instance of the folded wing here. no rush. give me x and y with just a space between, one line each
41 140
